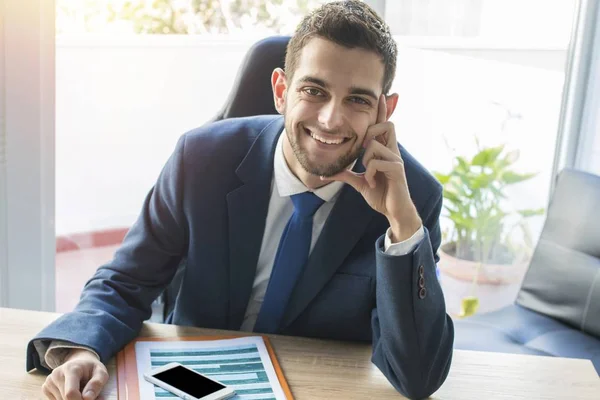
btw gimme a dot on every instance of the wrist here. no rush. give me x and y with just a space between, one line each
81 354
404 229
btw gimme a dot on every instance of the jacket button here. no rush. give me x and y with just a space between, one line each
422 293
421 270
421 282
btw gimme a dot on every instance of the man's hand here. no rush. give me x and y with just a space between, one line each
383 184
81 377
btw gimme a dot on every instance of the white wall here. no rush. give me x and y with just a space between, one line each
122 103
121 106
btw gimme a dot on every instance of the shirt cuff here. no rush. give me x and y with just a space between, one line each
53 356
405 247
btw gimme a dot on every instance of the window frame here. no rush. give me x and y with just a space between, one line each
578 118
27 81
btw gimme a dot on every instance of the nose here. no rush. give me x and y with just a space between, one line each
331 116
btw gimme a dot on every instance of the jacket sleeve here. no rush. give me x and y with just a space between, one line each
118 298
412 334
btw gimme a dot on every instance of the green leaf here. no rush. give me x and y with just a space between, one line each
451 196
497 193
510 177
461 221
459 189
450 209
531 212
482 181
487 157
463 165
443 179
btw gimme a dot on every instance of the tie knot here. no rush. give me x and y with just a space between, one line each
306 204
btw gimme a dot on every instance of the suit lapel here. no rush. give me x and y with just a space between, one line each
344 228
248 206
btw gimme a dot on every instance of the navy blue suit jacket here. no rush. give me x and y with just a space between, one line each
208 208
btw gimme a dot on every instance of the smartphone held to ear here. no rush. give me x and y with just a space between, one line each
187 383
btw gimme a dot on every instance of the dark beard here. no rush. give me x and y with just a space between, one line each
320 170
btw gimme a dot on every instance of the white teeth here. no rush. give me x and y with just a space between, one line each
327 141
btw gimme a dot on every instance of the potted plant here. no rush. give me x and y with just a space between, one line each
480 249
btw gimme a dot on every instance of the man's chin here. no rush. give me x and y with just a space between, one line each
326 171
324 168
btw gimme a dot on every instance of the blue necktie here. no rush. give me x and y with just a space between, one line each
290 259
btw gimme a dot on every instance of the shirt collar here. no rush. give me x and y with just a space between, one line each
288 184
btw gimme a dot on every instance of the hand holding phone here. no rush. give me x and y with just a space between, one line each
187 383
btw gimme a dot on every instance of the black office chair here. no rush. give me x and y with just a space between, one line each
251 95
557 311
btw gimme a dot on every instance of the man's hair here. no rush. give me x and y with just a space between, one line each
352 24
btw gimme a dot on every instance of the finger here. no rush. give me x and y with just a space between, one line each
377 151
384 133
391 169
68 380
50 391
95 385
72 386
376 131
357 181
48 394
381 110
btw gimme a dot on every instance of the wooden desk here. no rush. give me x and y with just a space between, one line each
321 369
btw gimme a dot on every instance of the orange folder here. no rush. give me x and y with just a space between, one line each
127 377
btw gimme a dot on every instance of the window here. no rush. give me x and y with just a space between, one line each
467 69
474 75
131 77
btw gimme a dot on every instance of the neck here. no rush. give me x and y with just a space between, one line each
309 180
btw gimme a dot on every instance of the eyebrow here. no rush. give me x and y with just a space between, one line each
312 79
353 89
366 92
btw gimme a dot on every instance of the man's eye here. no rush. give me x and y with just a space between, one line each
312 91
359 100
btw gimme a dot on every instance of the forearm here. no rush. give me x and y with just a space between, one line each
412 334
53 354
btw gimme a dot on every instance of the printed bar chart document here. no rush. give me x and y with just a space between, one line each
247 364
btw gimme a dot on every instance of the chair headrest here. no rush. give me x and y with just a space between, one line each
251 93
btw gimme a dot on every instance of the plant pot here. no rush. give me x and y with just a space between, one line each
496 286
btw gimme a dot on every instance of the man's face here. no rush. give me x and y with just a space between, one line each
329 103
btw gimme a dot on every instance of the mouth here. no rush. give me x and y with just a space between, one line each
329 140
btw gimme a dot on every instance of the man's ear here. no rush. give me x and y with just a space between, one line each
391 102
279 85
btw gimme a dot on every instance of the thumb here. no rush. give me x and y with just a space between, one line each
356 180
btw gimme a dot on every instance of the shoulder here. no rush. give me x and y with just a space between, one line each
228 132
228 139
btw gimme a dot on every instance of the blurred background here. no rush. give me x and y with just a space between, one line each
480 85
132 76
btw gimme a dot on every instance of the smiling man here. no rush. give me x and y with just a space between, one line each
312 224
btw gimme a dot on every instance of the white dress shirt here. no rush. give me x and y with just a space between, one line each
284 185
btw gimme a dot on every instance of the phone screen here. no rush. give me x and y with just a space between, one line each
189 382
